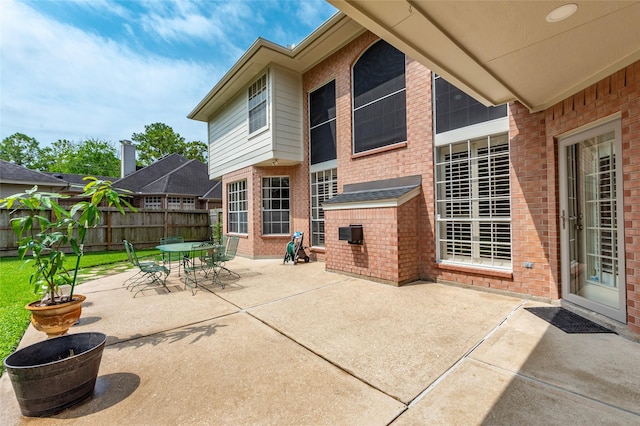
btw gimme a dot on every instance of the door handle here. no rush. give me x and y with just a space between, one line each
563 216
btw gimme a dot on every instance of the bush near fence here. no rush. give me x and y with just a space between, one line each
144 228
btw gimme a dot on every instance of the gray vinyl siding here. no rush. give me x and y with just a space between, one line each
287 114
232 148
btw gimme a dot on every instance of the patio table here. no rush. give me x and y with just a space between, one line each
187 249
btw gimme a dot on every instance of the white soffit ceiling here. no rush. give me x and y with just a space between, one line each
499 51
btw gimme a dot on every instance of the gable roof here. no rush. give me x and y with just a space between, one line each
173 174
321 43
16 174
215 193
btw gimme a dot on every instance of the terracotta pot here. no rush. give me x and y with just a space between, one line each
55 320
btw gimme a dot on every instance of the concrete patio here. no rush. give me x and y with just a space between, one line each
297 345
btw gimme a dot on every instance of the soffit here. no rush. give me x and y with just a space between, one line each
324 41
505 50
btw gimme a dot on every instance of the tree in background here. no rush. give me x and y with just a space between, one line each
22 150
196 150
159 140
91 156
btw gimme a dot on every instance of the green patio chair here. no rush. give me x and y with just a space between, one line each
229 254
151 273
206 261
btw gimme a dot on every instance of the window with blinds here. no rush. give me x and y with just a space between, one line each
238 208
322 123
258 104
474 202
324 185
379 98
454 109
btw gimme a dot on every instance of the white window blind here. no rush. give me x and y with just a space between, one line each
324 185
474 202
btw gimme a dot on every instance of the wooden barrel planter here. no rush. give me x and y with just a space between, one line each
54 374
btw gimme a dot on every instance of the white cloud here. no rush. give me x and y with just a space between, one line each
311 12
58 82
103 6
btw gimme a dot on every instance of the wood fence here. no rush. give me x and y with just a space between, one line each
143 228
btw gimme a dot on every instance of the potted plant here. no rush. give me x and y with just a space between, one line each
57 373
43 240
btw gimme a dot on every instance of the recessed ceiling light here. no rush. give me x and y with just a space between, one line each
561 13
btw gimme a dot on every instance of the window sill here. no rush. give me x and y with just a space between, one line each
258 132
475 270
231 234
274 236
398 145
317 249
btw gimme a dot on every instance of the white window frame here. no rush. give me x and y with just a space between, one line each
266 190
354 109
153 202
188 203
465 222
173 203
257 99
237 207
320 192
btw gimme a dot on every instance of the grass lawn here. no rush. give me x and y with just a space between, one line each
16 292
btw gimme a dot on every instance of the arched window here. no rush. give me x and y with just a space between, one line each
379 98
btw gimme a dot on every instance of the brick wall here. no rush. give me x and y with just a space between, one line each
394 238
245 244
399 242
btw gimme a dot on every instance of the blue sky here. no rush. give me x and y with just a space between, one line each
77 69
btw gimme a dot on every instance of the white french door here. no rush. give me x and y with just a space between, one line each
591 222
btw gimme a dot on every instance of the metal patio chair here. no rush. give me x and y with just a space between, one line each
229 254
151 273
207 261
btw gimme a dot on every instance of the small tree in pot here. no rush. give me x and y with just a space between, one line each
42 241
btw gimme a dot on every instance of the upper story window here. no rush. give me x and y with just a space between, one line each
455 109
258 104
322 123
379 98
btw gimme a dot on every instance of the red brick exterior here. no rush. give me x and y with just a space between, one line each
399 242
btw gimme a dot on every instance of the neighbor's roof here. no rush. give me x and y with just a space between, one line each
324 41
507 50
173 174
16 174
215 193
76 181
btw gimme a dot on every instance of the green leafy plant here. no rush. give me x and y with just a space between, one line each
217 231
42 239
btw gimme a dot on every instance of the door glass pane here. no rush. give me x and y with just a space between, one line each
592 228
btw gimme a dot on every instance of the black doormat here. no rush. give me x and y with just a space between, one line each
567 321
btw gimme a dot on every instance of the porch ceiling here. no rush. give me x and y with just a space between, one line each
501 51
